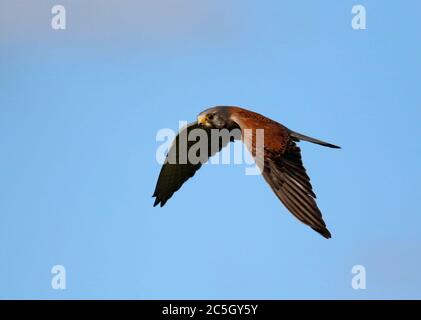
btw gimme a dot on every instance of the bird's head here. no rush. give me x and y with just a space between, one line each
215 118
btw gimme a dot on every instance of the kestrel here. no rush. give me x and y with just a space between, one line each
280 161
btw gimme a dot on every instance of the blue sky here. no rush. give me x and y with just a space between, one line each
80 109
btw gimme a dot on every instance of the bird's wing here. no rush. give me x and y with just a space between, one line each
282 167
177 171
287 177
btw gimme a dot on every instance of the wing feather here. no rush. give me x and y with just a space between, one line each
288 179
174 174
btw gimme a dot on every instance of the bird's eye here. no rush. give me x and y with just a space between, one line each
210 116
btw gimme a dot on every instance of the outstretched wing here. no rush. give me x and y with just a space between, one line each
178 166
287 177
282 166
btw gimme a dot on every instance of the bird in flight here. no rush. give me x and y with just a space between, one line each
279 160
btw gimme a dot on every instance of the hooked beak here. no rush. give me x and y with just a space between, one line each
202 120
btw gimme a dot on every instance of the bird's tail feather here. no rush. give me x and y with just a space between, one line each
300 136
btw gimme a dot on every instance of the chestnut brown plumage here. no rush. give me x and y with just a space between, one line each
281 167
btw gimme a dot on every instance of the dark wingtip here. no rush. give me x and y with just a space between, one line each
324 232
159 201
